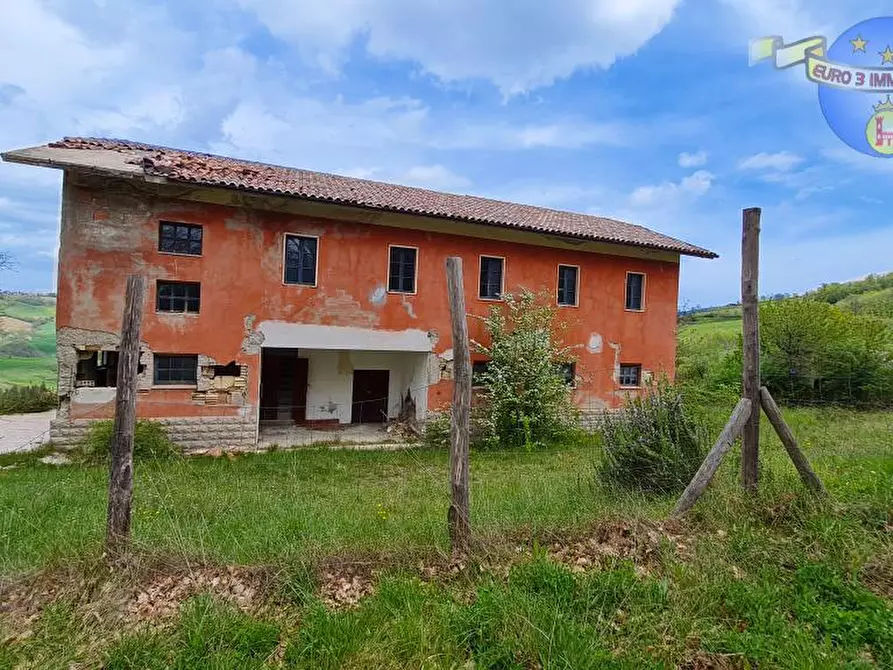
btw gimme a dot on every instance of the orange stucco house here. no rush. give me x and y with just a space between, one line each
277 295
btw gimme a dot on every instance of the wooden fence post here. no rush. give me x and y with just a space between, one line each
458 516
117 535
742 412
750 316
807 474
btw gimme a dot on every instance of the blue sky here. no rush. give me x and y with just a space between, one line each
645 110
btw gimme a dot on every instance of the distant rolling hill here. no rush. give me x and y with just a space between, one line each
27 339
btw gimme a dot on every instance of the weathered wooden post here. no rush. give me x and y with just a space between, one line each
458 516
750 316
117 534
807 474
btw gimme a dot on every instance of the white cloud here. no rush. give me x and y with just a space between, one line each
435 177
518 46
696 159
781 161
692 186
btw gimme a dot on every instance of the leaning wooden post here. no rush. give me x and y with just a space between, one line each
117 534
730 433
750 316
807 474
458 516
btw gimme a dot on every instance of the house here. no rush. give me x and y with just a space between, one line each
280 295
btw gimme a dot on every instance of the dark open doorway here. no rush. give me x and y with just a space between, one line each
370 396
283 386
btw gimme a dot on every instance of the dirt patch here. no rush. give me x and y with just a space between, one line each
877 576
703 660
10 324
343 585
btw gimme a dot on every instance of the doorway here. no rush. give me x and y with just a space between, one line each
283 386
370 396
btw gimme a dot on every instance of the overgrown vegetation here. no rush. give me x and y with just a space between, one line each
525 397
23 399
654 444
776 580
811 352
150 442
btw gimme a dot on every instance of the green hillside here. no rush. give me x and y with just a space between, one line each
27 339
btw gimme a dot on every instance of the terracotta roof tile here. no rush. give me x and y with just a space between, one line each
210 170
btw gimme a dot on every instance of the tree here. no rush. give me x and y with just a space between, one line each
7 262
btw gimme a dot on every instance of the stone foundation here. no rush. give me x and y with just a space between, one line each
191 433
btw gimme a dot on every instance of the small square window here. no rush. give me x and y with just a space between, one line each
635 291
478 369
568 371
300 260
180 238
176 296
567 285
491 277
630 375
402 269
172 370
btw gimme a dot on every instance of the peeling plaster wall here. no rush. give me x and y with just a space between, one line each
110 229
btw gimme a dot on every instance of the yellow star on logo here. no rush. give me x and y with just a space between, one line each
887 55
858 44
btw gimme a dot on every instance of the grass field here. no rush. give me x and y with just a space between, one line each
776 581
27 339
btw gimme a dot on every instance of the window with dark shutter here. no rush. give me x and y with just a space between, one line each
300 260
635 291
491 277
180 238
178 296
402 269
567 285
568 372
171 370
478 370
630 375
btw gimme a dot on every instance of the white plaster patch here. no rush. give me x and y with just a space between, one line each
93 395
378 296
595 344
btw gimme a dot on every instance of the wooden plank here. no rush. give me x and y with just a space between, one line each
750 313
708 468
807 474
121 471
458 516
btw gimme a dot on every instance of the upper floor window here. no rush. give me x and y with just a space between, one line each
171 370
180 238
567 285
300 260
635 291
568 372
491 277
478 370
630 375
402 269
177 296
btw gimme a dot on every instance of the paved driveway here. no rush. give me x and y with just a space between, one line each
23 432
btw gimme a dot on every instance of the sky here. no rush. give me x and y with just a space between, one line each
642 110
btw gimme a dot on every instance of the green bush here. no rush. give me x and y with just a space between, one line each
24 399
653 444
150 441
525 399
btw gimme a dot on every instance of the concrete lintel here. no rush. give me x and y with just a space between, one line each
310 336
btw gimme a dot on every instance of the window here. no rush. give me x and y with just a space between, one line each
569 372
300 260
478 368
402 269
491 277
635 291
180 238
97 368
630 375
175 369
567 285
177 296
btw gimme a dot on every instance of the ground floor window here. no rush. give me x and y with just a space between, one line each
630 375
177 369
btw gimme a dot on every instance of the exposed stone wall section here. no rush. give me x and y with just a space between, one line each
253 339
213 389
192 434
71 343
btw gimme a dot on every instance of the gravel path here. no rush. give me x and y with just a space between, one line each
24 432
